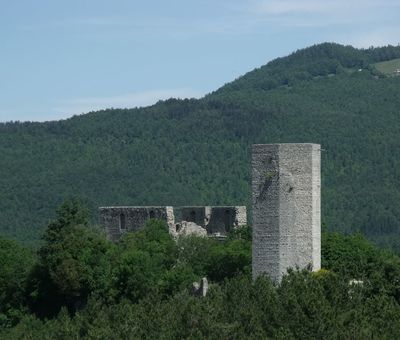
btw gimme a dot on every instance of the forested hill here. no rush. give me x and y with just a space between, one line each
183 152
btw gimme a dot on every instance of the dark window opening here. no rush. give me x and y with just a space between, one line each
122 224
152 214
192 216
227 220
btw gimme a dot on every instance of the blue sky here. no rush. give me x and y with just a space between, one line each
60 58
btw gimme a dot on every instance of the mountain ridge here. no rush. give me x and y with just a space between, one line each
197 151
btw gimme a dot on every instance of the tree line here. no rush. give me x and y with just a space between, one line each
80 285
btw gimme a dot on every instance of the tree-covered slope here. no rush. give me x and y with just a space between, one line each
182 152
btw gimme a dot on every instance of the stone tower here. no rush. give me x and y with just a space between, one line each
286 195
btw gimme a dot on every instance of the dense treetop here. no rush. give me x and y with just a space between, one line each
79 285
184 152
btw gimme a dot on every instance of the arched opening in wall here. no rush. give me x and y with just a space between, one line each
227 220
152 214
192 216
122 222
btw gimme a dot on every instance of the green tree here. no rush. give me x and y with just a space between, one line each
15 264
73 262
145 261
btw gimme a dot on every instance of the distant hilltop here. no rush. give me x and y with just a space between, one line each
198 150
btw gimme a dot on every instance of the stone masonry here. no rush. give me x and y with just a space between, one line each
214 220
119 220
286 189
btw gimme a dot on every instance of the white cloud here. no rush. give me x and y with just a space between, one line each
131 100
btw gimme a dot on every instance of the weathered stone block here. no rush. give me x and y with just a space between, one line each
216 219
286 208
196 215
224 218
118 220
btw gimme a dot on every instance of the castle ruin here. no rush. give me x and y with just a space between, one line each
286 204
215 220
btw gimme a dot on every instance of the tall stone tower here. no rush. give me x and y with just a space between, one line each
286 195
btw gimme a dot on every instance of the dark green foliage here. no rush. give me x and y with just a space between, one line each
151 261
139 288
198 152
15 264
303 307
355 258
73 262
230 259
181 152
351 255
146 262
216 259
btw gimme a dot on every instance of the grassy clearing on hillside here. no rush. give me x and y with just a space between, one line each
388 67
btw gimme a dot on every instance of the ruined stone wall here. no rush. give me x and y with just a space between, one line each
286 208
119 220
241 215
223 219
192 214
215 220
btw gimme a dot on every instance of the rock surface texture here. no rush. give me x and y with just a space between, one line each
200 220
187 228
119 220
286 188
